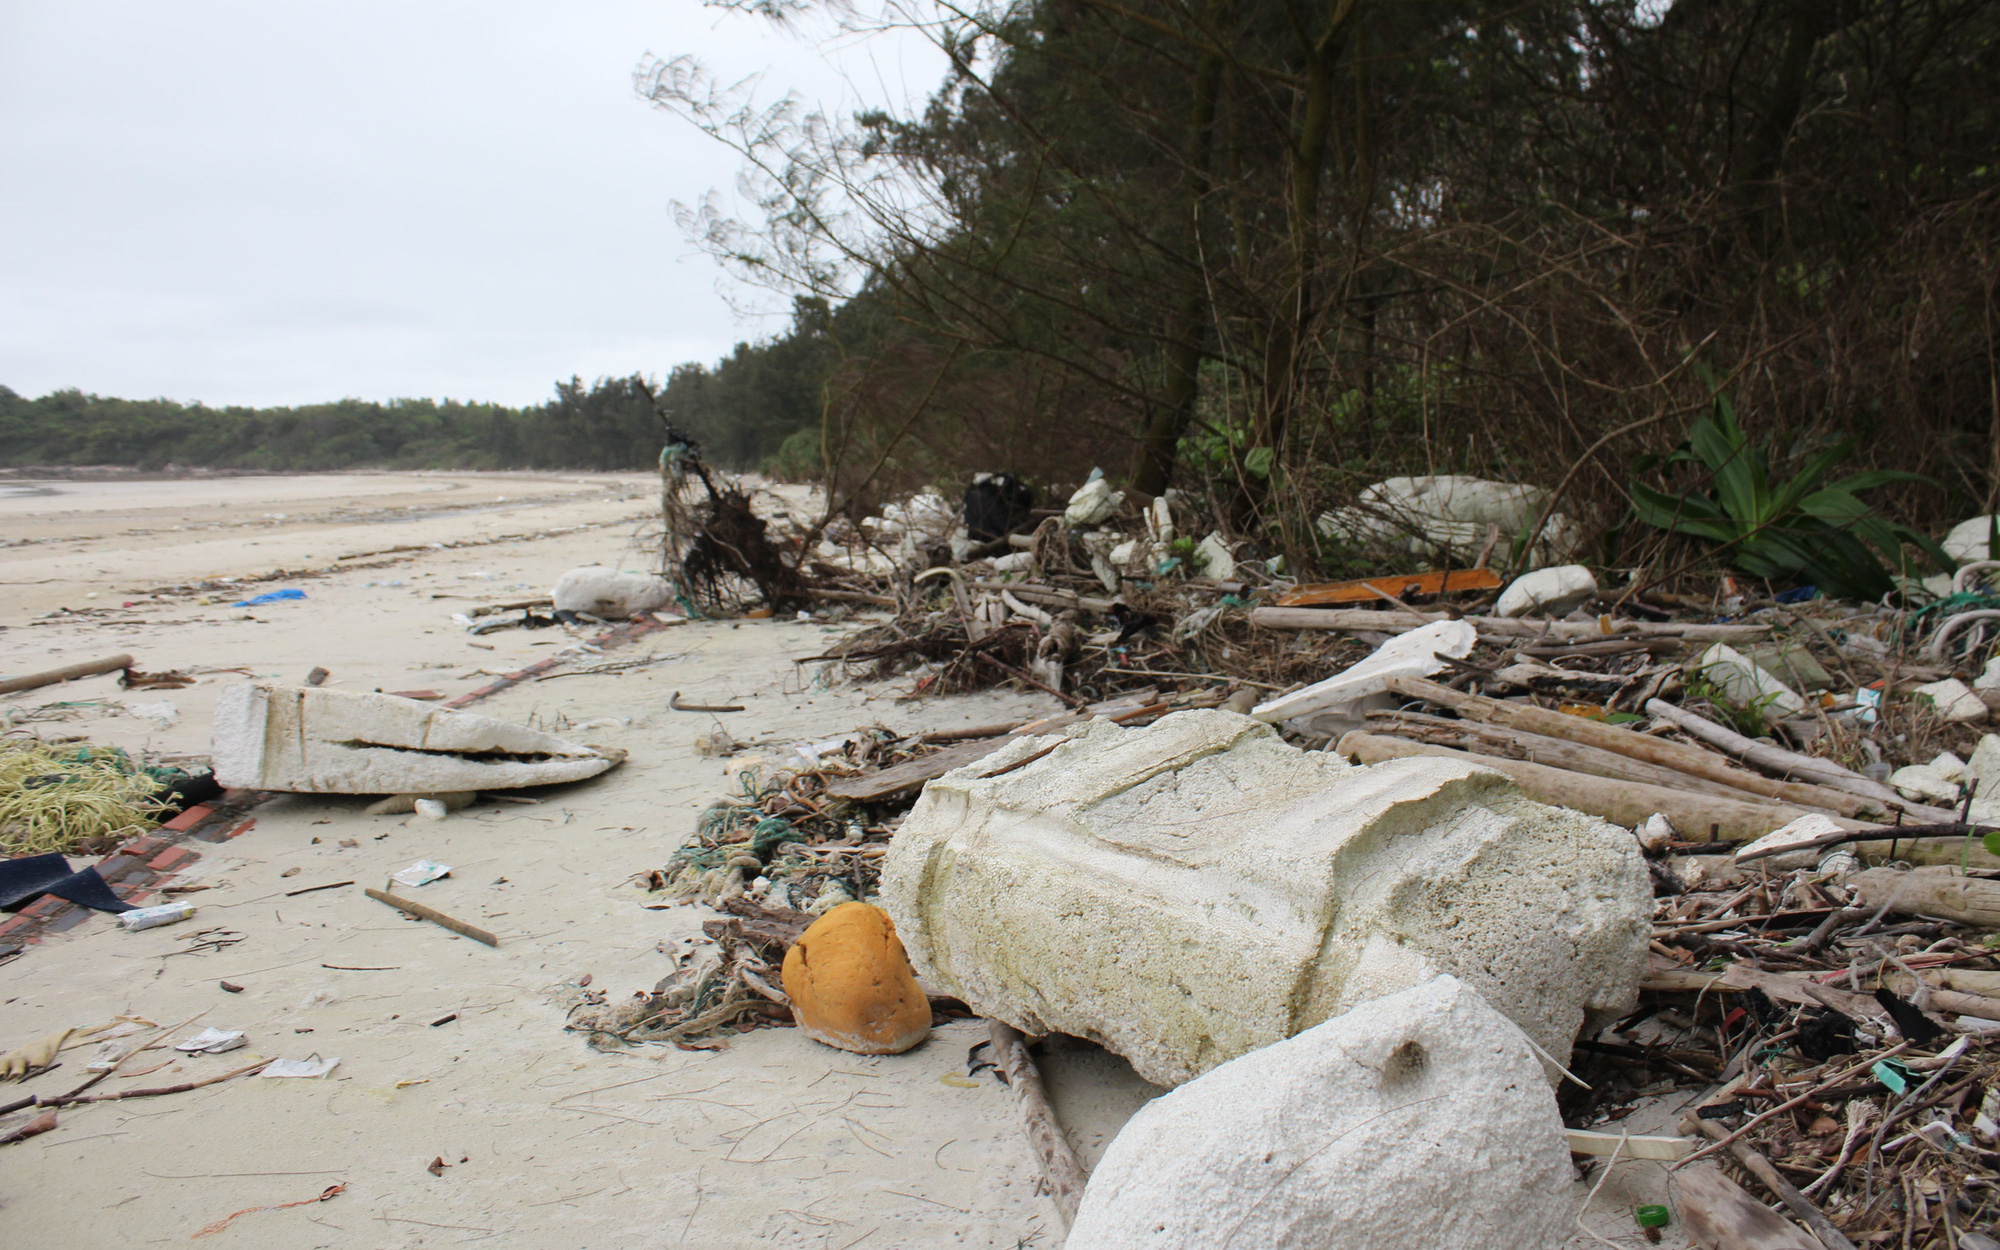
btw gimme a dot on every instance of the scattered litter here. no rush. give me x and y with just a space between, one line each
270 596
423 872
159 713
153 917
211 1042
310 1067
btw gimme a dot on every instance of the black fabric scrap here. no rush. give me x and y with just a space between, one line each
1910 1022
24 880
1825 1034
187 791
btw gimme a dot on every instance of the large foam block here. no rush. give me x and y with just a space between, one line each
1197 889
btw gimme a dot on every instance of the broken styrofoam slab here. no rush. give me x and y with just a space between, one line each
1953 699
305 739
1214 558
305 1068
1412 654
610 594
1549 592
1093 503
1989 678
1452 513
211 1042
1984 766
1746 685
1412 1122
1950 767
423 872
1969 539
1801 833
1189 892
1925 784
1656 832
1791 664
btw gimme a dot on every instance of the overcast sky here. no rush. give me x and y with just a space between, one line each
283 202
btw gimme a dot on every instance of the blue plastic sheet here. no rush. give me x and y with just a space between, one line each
270 596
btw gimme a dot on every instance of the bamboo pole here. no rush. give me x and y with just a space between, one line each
89 668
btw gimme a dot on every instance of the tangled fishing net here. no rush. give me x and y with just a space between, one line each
777 832
72 798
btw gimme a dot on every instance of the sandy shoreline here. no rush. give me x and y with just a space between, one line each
776 1141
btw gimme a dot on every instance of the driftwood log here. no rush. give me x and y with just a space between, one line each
1060 1167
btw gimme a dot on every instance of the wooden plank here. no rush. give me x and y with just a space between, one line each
890 782
1376 589
1721 1214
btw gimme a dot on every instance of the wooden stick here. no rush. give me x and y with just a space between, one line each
1678 756
1789 1103
851 596
1495 626
1060 1167
422 912
969 732
1048 595
89 668
1786 763
1758 1166
148 1044
182 1088
1026 680
40 1124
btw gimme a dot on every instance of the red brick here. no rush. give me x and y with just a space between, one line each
46 905
190 818
138 897
14 924
172 857
140 848
243 828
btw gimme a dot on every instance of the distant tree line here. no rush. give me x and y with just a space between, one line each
1270 252
742 410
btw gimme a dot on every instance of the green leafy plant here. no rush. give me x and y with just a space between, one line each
1804 529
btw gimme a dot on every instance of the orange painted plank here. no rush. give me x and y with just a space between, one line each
1402 586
